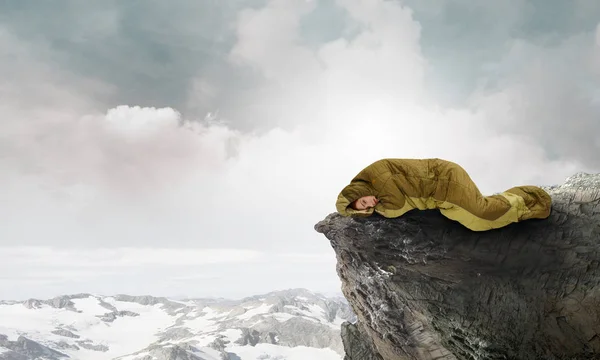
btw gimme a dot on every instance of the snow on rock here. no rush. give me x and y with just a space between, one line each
274 352
232 335
282 317
251 312
89 305
88 334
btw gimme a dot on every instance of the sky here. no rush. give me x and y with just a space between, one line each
188 149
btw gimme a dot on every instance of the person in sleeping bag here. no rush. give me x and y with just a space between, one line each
392 187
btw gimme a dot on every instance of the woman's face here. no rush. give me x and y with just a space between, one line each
366 202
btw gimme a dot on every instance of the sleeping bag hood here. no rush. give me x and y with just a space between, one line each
354 191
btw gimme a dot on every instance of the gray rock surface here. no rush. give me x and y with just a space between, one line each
106 305
7 354
66 346
171 352
357 344
65 333
249 337
294 332
87 344
219 344
112 316
64 302
177 333
169 305
24 348
425 287
59 302
263 328
32 304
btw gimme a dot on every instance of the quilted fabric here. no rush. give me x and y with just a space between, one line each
402 185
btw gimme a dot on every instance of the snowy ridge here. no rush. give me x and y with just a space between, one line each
284 325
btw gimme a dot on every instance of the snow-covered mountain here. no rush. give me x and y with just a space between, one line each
284 325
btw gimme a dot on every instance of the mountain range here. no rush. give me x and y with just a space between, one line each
294 324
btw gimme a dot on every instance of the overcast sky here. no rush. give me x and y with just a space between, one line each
188 148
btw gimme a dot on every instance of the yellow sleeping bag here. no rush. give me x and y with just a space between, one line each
401 185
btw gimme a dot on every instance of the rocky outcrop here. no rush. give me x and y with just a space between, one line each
87 344
24 348
65 333
7 354
32 304
59 302
220 344
175 333
357 344
170 306
249 337
424 287
65 301
171 352
66 346
106 305
112 316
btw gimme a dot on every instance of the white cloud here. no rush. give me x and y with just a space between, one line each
140 122
122 257
31 82
145 188
46 272
277 54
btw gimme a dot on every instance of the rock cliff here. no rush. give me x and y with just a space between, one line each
425 287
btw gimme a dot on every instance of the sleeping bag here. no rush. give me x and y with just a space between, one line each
401 185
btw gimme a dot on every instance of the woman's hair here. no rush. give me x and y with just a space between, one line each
353 204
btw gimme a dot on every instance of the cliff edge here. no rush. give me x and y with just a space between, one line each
424 287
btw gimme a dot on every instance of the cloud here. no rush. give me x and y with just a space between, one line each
109 181
122 257
381 62
552 107
29 76
47 272
366 95
145 53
